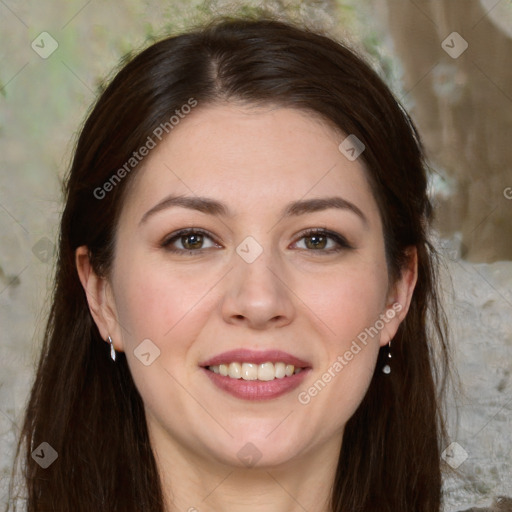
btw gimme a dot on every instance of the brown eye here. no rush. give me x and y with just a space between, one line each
193 241
316 241
324 242
188 240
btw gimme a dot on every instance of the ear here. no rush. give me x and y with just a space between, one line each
99 297
399 296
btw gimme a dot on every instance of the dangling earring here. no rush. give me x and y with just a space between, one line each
386 368
112 349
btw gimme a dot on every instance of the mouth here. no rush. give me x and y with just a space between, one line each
255 365
256 375
250 371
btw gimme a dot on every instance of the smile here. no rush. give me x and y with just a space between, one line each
256 375
250 371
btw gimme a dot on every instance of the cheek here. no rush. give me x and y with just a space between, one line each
153 300
348 300
168 308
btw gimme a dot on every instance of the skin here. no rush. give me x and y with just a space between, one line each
295 297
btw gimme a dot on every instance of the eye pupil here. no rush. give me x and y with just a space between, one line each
317 240
195 241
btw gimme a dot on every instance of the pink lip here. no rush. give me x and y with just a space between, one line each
250 356
254 389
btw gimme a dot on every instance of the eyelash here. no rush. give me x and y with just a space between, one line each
337 238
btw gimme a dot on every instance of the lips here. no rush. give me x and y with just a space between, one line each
259 357
260 389
256 390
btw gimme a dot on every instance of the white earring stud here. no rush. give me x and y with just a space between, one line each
386 368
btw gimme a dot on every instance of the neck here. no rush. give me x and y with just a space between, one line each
193 484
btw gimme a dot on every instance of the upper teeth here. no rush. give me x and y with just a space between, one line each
251 371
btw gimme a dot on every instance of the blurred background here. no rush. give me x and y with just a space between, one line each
449 63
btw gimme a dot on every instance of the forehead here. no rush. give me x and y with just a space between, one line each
250 156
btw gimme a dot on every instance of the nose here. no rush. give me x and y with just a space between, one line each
258 294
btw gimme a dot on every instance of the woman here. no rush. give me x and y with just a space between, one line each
245 226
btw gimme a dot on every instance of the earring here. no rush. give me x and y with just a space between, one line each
112 349
386 368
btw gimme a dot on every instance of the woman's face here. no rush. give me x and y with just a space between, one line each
251 281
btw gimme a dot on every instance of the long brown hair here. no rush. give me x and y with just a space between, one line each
89 410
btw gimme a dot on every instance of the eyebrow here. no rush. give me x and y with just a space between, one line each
214 207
